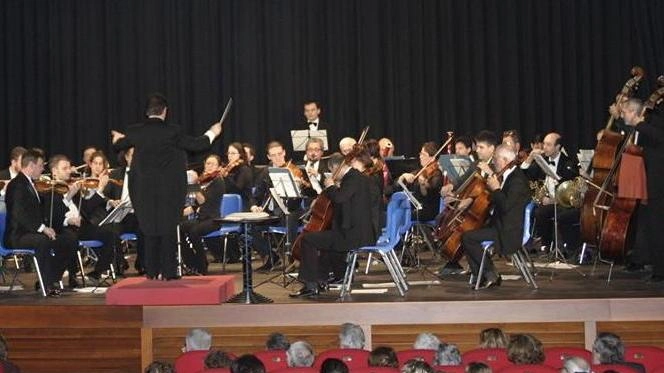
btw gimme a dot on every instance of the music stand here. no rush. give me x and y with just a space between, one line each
118 213
456 166
300 138
283 182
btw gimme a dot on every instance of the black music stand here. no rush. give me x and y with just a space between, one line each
248 295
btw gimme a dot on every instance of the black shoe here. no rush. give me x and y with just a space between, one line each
451 268
491 283
72 283
173 278
94 275
305 292
53 293
655 279
634 267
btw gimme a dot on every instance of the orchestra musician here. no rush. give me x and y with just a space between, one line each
463 145
250 151
386 147
158 182
202 213
513 139
10 172
651 137
237 174
567 169
87 159
425 188
325 251
315 165
26 224
509 198
98 164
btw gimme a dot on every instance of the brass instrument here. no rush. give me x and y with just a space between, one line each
570 193
539 191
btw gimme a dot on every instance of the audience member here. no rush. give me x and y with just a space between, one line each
447 354
332 365
277 341
217 359
160 367
351 336
426 341
525 349
416 366
475 367
493 338
383 357
5 365
300 354
247 364
575 364
197 340
608 348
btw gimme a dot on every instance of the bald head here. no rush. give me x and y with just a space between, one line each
551 144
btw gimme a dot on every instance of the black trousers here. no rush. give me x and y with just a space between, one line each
195 257
472 244
130 225
318 257
52 255
161 255
567 217
652 217
106 236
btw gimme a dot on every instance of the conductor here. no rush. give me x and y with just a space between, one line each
157 181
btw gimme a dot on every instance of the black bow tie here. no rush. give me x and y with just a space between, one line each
312 123
552 163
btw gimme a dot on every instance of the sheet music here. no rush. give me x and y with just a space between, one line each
455 165
300 138
240 216
283 182
118 213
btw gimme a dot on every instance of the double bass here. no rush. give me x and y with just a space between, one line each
595 201
321 210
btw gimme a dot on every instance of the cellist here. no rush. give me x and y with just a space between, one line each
651 137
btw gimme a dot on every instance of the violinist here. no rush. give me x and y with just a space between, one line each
651 137
98 164
250 151
277 156
237 174
512 138
67 216
9 173
325 251
509 198
567 169
205 210
26 225
87 160
425 188
379 177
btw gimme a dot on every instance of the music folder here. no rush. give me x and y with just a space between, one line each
283 182
300 138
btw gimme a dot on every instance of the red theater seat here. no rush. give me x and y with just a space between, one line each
496 358
601 368
354 358
529 368
422 355
273 359
190 362
375 370
450 368
649 356
555 356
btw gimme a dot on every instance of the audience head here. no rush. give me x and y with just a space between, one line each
247 364
333 366
383 357
525 349
346 145
476 367
386 147
15 156
493 338
426 341
160 367
416 366
608 348
575 364
300 354
351 336
447 354
277 341
198 340
217 359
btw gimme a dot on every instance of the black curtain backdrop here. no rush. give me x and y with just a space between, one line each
72 70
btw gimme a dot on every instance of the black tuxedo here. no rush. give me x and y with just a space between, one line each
567 168
158 186
505 225
352 227
24 219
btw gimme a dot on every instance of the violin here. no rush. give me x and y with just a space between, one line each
229 167
208 177
48 186
297 173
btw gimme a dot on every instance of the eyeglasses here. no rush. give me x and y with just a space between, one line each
232 153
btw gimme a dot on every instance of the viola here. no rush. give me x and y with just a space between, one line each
209 176
225 171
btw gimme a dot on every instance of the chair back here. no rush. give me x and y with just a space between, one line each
215 370
297 370
555 356
3 221
650 357
352 357
528 368
416 354
191 361
273 359
601 368
450 368
526 222
376 370
399 218
230 203
496 358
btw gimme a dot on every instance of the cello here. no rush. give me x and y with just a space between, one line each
321 210
595 201
618 230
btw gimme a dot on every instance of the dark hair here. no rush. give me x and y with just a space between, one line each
277 341
332 365
100 153
217 359
155 104
609 348
475 367
240 149
122 161
251 148
537 138
525 349
273 144
55 159
160 367
514 134
361 154
465 140
315 102
17 152
383 357
373 148
487 137
247 364
430 147
31 156
215 156
493 338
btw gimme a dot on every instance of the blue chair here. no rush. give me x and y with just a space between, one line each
398 221
418 228
89 246
230 203
23 253
519 258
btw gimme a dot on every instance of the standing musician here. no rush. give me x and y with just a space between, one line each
509 198
205 210
277 156
567 169
651 138
68 217
237 174
425 188
324 252
158 181
26 228
486 142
